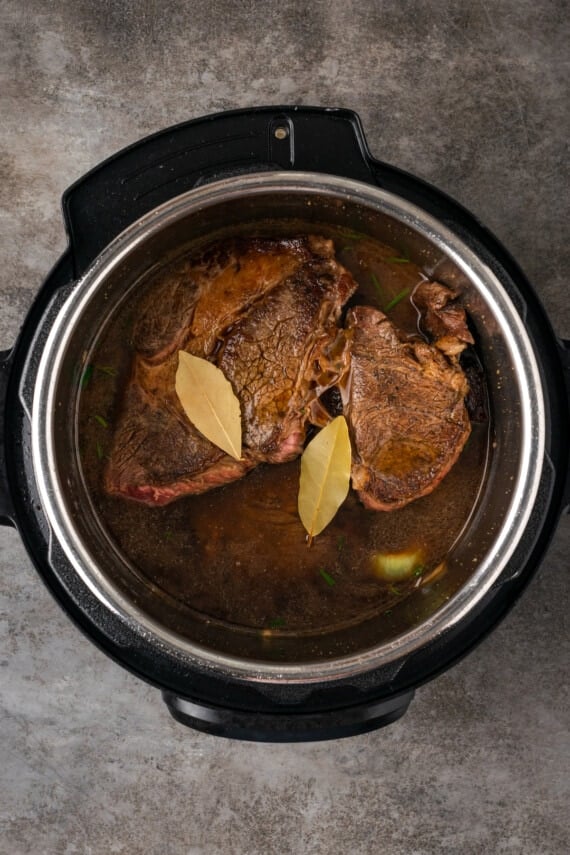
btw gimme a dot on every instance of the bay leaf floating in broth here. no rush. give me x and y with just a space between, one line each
209 401
325 476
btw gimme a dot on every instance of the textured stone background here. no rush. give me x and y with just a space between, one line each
471 96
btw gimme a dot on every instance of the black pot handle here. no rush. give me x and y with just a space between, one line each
565 351
136 180
287 726
6 505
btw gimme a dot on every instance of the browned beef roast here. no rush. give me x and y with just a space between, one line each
442 317
258 308
404 402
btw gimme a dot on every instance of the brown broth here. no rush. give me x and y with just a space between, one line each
239 554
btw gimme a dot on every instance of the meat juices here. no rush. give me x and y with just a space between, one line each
239 554
257 308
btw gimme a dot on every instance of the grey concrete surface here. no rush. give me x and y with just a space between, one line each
471 96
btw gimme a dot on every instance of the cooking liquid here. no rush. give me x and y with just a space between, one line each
239 554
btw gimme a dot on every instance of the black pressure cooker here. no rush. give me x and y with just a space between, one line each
210 176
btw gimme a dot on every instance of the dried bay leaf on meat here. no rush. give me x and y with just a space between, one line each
209 401
325 476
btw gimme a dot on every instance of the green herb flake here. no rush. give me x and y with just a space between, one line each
107 369
327 577
99 449
351 235
86 376
394 589
419 570
103 422
168 534
397 259
276 623
397 299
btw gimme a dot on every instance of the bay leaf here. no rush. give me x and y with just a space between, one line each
325 476
209 401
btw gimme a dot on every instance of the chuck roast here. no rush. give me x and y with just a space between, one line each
404 402
442 317
257 308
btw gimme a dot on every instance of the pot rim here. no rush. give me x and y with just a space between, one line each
49 480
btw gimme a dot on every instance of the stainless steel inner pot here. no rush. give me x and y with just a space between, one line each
279 203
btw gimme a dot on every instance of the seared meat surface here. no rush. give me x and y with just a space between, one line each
268 356
404 402
443 318
257 308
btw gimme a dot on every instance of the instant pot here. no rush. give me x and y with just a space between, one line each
217 176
